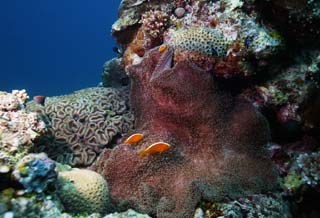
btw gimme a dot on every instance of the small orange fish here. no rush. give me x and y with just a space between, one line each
157 147
134 138
162 48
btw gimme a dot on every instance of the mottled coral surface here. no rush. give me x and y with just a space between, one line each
217 142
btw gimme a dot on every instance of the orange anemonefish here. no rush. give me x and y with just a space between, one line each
134 138
158 147
162 48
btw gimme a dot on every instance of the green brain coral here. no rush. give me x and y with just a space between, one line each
83 191
204 40
82 124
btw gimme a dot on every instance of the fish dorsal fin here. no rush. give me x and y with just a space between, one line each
158 147
134 138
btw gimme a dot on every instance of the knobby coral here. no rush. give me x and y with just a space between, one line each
217 142
82 124
206 41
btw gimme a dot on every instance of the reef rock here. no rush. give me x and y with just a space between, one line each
217 142
113 74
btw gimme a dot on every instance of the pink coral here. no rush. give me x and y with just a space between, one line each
217 142
155 22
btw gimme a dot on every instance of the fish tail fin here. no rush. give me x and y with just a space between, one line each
142 153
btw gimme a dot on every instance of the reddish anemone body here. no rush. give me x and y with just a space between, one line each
216 142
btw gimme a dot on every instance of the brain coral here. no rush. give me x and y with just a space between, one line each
83 191
82 124
206 41
217 142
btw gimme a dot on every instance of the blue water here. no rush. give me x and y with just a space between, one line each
53 47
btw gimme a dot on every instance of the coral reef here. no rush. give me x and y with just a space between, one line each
217 142
262 206
303 171
309 166
14 204
113 74
82 124
35 172
299 20
83 191
129 213
18 128
218 27
205 78
289 93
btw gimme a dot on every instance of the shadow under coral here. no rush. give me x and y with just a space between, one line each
217 142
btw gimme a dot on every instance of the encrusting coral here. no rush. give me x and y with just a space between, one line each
129 213
82 124
291 93
83 191
216 142
218 27
253 206
35 172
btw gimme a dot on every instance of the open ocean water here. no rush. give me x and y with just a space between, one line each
54 47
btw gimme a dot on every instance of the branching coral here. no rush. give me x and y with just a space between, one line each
155 22
82 124
18 128
216 142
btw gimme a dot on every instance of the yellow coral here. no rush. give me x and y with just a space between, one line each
83 191
206 41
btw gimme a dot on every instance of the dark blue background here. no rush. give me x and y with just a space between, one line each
53 47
